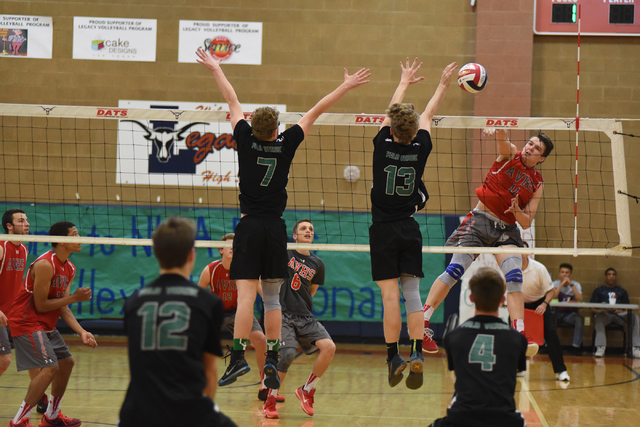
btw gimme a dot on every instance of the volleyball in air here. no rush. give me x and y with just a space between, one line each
472 77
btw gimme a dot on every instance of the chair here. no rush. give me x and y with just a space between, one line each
612 327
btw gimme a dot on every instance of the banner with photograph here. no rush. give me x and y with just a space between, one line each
24 36
231 42
158 152
114 39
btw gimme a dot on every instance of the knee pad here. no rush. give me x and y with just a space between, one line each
411 293
271 294
456 268
287 356
512 269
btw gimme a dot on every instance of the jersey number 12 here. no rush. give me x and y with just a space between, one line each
164 335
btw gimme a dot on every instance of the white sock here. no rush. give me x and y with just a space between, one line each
23 412
53 410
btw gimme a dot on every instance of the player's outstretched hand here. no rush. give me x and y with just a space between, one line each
357 79
88 339
82 294
447 73
3 319
205 59
409 72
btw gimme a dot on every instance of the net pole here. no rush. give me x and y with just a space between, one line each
575 197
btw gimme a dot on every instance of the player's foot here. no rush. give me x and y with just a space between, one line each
61 421
23 423
43 404
269 408
532 348
271 378
234 370
636 352
396 366
563 376
306 400
263 393
416 365
600 351
428 344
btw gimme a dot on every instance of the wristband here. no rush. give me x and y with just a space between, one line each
546 303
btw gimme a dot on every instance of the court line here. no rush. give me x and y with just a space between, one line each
525 387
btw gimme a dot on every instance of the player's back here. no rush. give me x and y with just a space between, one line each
170 324
485 353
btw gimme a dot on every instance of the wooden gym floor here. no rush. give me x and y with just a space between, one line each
354 391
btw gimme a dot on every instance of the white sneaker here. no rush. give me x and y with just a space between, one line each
636 352
520 374
599 352
563 376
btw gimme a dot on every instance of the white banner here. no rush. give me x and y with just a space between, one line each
231 42
114 39
198 154
26 36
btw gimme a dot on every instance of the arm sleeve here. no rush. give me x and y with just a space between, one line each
241 132
382 135
293 137
424 138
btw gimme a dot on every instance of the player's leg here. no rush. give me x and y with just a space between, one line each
44 400
5 349
553 344
259 342
306 393
577 321
602 319
413 304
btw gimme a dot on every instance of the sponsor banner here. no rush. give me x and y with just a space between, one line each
231 42
114 39
24 36
159 152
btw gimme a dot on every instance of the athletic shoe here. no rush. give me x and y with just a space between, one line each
23 423
271 377
532 348
43 404
428 344
563 376
234 370
263 393
269 408
636 352
306 400
61 421
416 365
396 366
599 352
520 374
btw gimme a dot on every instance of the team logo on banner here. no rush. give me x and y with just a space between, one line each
221 47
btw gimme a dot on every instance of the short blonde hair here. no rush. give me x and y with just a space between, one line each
404 122
264 122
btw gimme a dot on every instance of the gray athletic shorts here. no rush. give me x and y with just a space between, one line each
482 230
230 321
40 350
5 344
303 330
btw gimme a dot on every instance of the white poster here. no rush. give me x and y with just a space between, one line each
114 39
231 42
196 154
26 36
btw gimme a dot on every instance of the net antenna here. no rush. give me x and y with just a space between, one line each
575 230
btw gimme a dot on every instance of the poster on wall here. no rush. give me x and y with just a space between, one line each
159 152
24 36
231 42
114 39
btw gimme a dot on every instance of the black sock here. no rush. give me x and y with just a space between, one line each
392 350
416 346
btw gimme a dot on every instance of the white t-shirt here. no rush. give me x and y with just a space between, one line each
536 281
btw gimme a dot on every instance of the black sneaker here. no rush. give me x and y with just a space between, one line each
263 393
396 366
271 377
43 404
416 365
234 370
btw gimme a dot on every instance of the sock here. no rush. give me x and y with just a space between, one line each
240 344
392 350
311 382
53 410
518 325
428 311
273 392
23 412
416 346
262 381
273 345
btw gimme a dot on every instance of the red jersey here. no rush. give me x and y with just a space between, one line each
11 271
504 180
222 286
23 317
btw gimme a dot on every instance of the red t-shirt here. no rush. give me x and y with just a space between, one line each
23 317
504 180
12 267
222 286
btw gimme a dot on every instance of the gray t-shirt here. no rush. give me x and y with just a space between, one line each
295 293
566 294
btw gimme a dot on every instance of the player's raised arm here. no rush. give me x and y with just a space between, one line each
438 96
506 150
407 78
225 87
350 82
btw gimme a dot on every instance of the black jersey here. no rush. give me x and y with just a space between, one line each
170 324
485 354
264 169
602 294
295 293
398 189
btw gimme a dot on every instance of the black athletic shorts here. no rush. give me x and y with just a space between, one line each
259 249
396 248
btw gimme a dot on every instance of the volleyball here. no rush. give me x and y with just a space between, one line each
351 173
472 77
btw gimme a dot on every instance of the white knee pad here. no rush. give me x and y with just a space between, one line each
411 293
512 269
456 268
271 294
287 356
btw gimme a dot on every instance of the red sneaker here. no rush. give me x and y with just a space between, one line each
428 344
263 393
61 421
306 400
23 423
269 408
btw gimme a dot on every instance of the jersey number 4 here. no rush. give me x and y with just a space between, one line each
271 167
164 334
409 175
482 352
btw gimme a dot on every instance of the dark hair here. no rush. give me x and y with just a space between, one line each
298 222
565 265
60 229
264 122
610 269
548 144
7 218
173 240
405 122
228 236
487 287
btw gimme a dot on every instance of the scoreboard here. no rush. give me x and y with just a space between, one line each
598 17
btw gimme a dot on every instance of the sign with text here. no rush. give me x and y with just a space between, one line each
231 42
114 39
26 36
